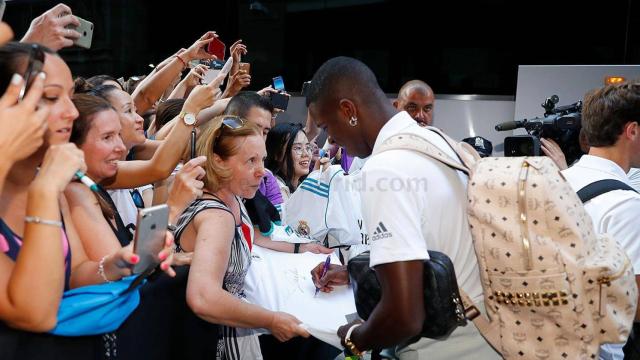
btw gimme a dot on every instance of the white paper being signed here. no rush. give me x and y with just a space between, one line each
282 282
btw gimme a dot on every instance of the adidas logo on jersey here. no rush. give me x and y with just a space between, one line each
381 232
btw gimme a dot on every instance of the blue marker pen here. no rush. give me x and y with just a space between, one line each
87 181
325 268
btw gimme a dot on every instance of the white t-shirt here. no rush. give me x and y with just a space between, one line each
411 203
634 178
615 213
126 207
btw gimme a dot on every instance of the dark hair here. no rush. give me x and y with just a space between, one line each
344 77
88 106
101 79
241 104
132 83
279 143
607 110
167 111
83 86
13 60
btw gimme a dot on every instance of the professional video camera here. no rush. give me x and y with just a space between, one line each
561 124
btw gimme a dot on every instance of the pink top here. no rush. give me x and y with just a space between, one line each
4 245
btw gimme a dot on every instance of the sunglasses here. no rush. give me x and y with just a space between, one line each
34 67
230 121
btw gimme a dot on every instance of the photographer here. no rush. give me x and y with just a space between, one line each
611 125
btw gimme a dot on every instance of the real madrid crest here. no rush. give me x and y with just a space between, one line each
303 228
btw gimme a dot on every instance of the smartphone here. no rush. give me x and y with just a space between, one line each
34 66
209 75
151 229
193 143
217 48
86 33
246 67
278 83
279 101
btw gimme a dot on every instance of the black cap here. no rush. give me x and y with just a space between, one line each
482 145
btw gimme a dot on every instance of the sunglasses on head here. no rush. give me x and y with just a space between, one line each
230 121
34 67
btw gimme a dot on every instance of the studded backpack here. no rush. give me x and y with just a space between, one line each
553 288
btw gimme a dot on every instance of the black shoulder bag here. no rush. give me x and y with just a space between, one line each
443 306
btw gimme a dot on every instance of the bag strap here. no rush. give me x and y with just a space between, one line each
601 187
488 330
408 141
466 153
122 233
197 206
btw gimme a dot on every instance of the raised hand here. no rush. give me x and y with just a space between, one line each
49 29
196 51
22 122
187 185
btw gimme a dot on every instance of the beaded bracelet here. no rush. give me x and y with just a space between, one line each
101 269
184 63
38 220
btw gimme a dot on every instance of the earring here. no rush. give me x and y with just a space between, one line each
353 121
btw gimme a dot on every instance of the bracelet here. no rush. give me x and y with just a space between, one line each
101 269
172 228
350 345
38 220
296 248
184 63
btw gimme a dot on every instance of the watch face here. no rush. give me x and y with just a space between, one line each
189 119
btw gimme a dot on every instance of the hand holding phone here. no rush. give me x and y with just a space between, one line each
217 48
149 240
86 32
246 67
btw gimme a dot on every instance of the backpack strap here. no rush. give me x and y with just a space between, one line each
489 331
601 187
466 153
406 141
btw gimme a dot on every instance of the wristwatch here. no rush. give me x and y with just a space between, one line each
188 118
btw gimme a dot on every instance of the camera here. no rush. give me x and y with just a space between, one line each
562 124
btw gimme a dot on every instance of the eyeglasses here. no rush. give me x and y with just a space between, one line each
34 67
297 149
230 121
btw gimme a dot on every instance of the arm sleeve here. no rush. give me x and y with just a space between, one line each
392 216
621 222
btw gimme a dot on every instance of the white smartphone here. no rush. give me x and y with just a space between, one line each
151 229
86 32
209 75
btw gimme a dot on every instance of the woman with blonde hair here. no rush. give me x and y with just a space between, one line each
218 230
